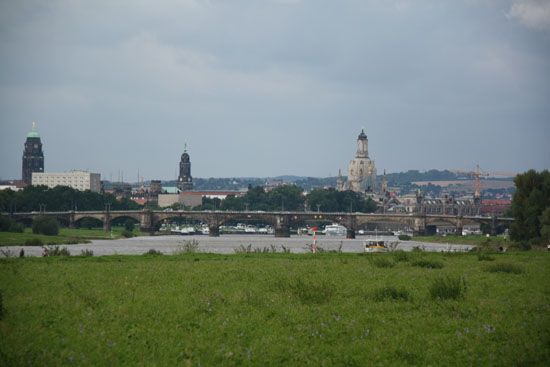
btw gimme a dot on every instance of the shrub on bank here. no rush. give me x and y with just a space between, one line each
34 242
404 237
52 250
45 225
127 234
9 225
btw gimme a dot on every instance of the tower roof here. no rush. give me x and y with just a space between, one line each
33 133
362 136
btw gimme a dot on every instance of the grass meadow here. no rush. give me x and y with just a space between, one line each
277 309
65 236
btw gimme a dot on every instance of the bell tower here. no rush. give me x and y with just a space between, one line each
185 181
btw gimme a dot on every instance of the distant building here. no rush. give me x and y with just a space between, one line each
498 207
185 181
33 156
78 180
194 198
362 171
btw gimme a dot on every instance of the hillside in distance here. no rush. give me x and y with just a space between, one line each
403 180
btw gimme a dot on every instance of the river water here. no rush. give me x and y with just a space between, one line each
229 244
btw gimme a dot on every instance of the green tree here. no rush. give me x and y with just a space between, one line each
529 205
129 225
545 226
45 225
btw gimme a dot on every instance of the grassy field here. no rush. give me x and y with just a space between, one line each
471 239
277 309
66 236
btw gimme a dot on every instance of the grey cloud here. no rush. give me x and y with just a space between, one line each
532 13
272 87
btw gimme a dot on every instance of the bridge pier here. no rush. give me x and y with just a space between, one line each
351 225
282 226
107 222
493 225
71 220
213 230
459 227
419 228
146 221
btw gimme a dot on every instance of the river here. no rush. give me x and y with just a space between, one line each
229 244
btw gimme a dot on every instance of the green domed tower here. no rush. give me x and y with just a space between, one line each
33 157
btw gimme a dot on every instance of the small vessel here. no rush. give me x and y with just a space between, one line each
335 230
375 246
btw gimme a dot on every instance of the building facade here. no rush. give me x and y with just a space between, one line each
362 170
78 180
185 181
33 156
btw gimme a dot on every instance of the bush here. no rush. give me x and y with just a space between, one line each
9 225
429 264
45 225
506 268
404 237
129 225
5 223
34 242
53 250
127 234
153 252
382 262
448 288
86 253
16 227
392 294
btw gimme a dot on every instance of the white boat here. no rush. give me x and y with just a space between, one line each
250 229
335 230
187 230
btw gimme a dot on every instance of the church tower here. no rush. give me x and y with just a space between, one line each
362 171
185 181
33 157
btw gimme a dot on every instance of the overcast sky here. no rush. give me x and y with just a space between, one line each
275 87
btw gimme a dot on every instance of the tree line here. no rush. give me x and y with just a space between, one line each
60 198
292 198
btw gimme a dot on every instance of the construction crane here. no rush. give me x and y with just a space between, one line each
477 174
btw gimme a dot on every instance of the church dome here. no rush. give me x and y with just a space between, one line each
185 157
362 136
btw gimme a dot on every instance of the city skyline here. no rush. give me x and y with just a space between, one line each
270 88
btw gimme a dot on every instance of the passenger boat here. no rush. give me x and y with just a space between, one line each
375 246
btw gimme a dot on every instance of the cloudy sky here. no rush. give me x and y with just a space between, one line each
274 87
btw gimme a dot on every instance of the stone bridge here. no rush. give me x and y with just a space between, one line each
150 220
